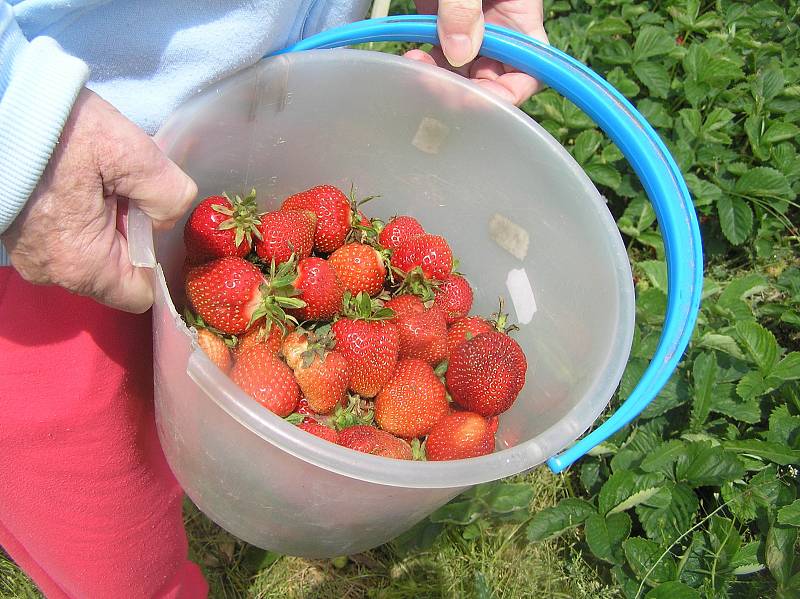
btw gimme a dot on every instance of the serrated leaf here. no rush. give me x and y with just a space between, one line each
622 486
704 377
509 497
459 512
638 216
649 561
605 536
627 87
764 182
691 120
703 464
724 540
759 343
746 560
672 590
774 452
779 552
735 218
607 27
751 386
603 174
652 41
784 428
789 515
655 113
586 143
666 522
788 369
741 288
635 499
779 131
654 76
704 192
552 521
656 271
723 343
725 402
662 458
761 492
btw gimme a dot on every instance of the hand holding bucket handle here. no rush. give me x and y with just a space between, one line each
637 140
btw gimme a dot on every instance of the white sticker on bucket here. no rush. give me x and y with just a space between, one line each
430 135
521 292
509 236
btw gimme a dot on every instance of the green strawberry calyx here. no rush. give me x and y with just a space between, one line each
499 320
363 307
358 412
416 283
196 321
418 450
319 343
243 215
278 294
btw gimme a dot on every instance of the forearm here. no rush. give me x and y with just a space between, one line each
39 83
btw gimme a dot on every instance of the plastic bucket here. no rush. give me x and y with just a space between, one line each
522 216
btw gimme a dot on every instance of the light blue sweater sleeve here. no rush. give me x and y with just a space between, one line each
39 83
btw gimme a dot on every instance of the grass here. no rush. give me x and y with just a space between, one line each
453 567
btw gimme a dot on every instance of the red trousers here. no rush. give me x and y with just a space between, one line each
88 505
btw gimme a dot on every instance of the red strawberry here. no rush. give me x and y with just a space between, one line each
463 329
412 401
453 297
263 375
304 409
368 439
284 233
320 430
215 349
423 331
398 230
319 288
360 268
219 226
333 212
458 436
486 373
323 375
430 252
270 335
368 342
230 294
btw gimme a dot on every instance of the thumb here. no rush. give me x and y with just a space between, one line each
460 30
133 166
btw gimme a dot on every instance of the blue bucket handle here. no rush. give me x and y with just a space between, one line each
640 144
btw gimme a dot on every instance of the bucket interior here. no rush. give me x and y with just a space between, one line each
521 216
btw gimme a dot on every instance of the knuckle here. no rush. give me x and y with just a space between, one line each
462 11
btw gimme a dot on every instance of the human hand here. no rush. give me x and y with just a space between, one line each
71 231
461 32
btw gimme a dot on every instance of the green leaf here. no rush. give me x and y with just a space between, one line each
459 512
704 376
725 402
638 216
652 41
764 182
784 428
608 27
419 538
662 458
759 343
746 560
672 590
787 369
623 490
751 386
509 497
552 521
723 343
657 115
654 76
704 192
605 536
656 271
649 561
746 501
627 87
691 120
774 452
724 539
704 465
789 515
667 519
735 218
603 174
779 552
586 143
741 288
779 131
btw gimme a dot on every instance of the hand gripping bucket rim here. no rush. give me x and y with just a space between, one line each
663 184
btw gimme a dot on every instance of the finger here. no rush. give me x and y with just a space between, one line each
460 28
521 85
420 56
486 68
497 89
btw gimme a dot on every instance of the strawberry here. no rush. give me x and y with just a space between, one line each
412 401
371 440
220 226
286 233
304 409
453 297
368 342
231 294
459 435
360 268
430 252
320 430
333 212
486 373
323 375
263 375
423 331
463 329
268 334
319 288
216 349
398 230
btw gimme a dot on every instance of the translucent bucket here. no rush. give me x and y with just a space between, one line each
520 214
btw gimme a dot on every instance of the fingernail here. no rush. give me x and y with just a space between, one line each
457 48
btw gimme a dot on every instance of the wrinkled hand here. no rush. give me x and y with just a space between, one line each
70 232
461 32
